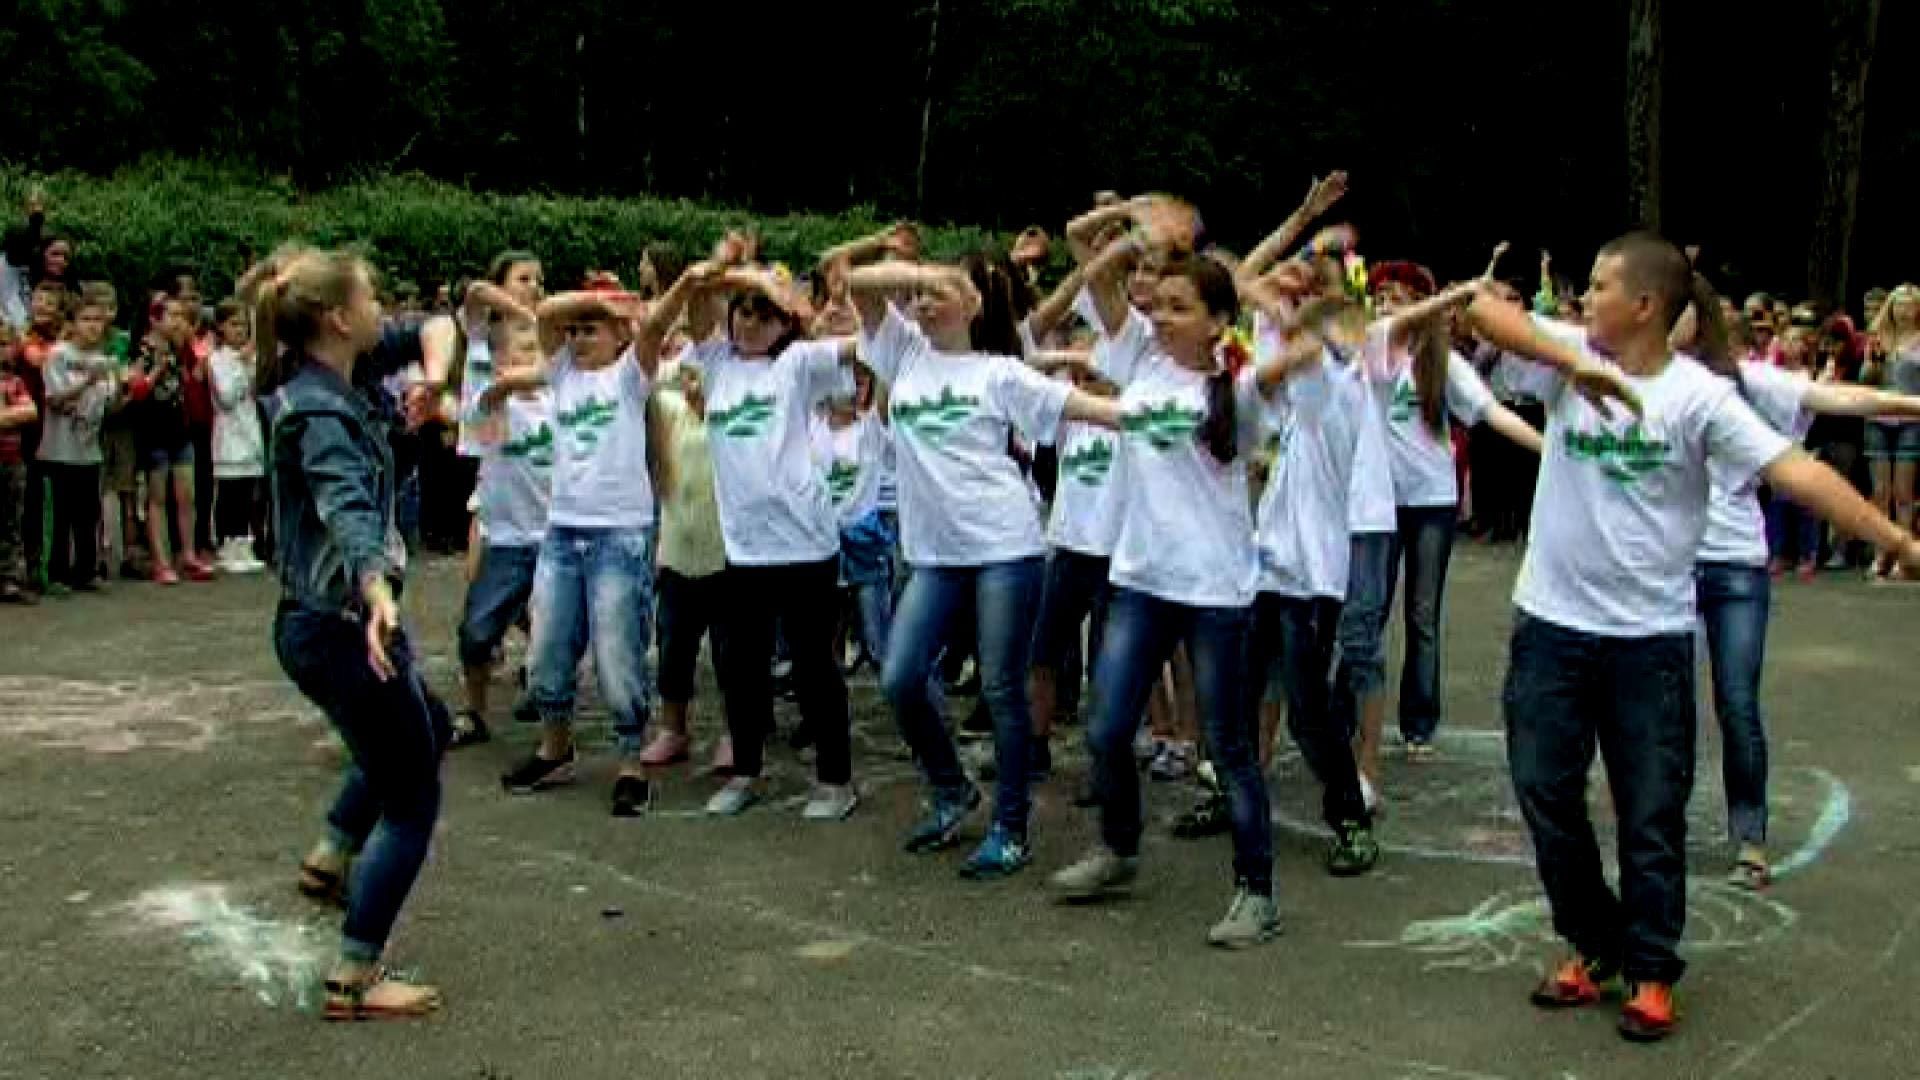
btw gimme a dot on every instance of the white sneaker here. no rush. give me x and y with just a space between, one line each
733 797
1100 873
1369 795
830 802
228 557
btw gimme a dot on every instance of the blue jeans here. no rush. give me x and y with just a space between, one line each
593 588
390 796
1003 597
1426 539
1141 634
1362 670
495 599
1567 690
1733 602
1791 531
1298 634
875 602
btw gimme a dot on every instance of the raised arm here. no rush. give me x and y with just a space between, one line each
1512 330
484 296
868 286
1320 198
1514 427
1052 311
1499 250
1106 283
1084 231
556 312
1399 321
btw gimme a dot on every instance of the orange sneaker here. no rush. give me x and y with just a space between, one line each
1648 1015
1574 984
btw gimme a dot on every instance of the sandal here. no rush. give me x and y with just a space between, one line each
1750 872
378 998
469 730
323 885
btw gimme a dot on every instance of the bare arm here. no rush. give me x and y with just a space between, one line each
1509 423
485 296
1106 283
1399 321
868 286
1499 250
1508 328
1844 399
1085 229
1052 360
1042 320
1087 408
1811 484
1320 198
19 415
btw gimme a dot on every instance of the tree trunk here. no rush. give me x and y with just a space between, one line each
1645 59
926 117
1852 28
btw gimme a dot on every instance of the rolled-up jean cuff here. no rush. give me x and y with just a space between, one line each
342 841
359 952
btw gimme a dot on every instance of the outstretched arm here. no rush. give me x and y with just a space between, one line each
1085 230
1509 423
1320 198
1508 328
868 286
1091 409
1815 486
1845 399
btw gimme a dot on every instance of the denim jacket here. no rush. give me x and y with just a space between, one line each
333 480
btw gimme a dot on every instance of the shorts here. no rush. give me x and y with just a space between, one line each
162 458
119 461
1892 442
496 599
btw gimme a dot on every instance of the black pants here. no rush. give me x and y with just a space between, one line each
804 598
34 521
1299 633
203 486
235 510
690 609
73 558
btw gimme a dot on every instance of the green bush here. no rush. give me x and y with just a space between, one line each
135 227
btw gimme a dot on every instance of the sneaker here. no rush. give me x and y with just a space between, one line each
946 812
538 774
1751 870
1574 984
164 575
1002 854
632 796
56 591
1353 850
667 748
733 798
469 730
1648 1015
227 559
1250 920
1209 817
1100 874
830 802
1173 763
11 593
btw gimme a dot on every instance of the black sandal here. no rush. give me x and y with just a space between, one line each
470 730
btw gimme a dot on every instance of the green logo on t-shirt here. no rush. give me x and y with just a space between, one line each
1624 458
841 479
1405 401
584 423
535 446
1164 426
746 420
933 419
1090 464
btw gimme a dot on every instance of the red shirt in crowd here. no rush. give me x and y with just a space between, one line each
13 394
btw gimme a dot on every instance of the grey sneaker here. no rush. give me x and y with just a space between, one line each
733 797
1100 873
830 802
1251 920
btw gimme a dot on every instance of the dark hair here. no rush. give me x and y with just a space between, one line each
764 307
995 328
667 262
505 261
227 309
1431 347
1652 264
1214 282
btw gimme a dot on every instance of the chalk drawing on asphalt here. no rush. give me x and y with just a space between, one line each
280 962
121 716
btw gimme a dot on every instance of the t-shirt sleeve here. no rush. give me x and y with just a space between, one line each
1028 346
817 369
1251 412
1376 353
1026 399
702 356
1779 397
1084 306
634 383
1739 439
1123 356
1467 395
893 345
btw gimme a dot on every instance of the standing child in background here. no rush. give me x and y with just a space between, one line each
157 381
119 515
48 322
239 451
515 486
80 382
17 411
850 446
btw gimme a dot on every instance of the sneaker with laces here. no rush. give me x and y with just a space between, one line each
946 812
1648 1015
1353 850
632 796
1100 874
1173 762
1575 983
1002 854
538 774
830 802
1252 919
734 797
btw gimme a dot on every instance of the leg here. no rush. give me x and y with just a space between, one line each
1138 640
1733 602
1647 743
495 600
559 638
809 606
13 499
203 490
682 624
921 625
1903 493
85 515
1068 587
157 516
36 523
1005 598
1553 676
619 583
746 676
1304 631
1358 703
183 500
60 482
1218 646
1428 534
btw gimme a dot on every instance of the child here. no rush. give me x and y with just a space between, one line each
17 412
80 382
239 452
515 484
157 381
850 444
119 516
48 313
1603 641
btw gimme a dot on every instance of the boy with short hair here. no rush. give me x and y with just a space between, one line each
79 382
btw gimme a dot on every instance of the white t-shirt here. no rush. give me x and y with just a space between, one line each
774 509
479 428
600 478
1422 459
1622 502
963 500
1303 536
849 460
1370 501
70 434
516 475
1088 492
1186 529
239 447
1736 527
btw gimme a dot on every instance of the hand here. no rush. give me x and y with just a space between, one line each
422 405
902 241
1600 384
1325 192
383 619
1031 247
1546 261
